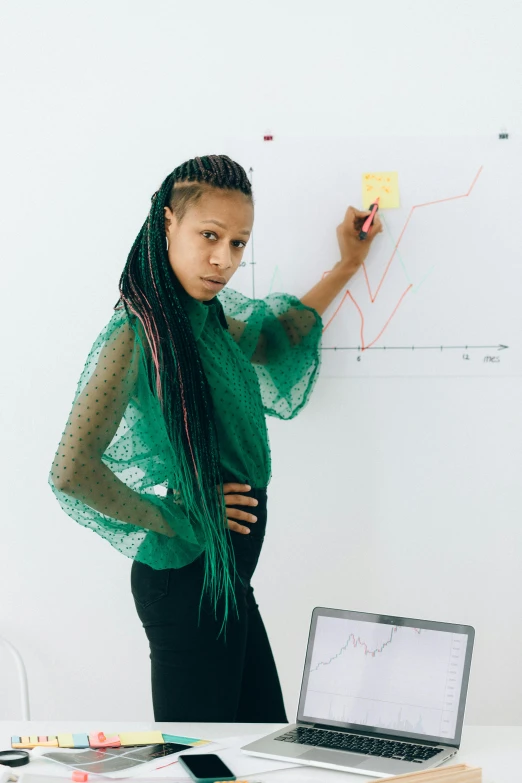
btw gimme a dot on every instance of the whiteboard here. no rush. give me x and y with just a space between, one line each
439 291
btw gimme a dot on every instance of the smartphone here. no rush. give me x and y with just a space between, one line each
206 768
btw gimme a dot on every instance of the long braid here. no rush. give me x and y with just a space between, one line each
149 292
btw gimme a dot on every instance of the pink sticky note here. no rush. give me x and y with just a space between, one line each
107 742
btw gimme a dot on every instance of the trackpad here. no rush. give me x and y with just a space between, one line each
334 757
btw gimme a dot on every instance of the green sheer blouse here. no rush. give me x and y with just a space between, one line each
114 463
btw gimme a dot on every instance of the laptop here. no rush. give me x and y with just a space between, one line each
380 695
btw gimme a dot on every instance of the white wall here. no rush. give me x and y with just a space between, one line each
100 101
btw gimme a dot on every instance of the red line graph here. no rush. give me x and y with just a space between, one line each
373 296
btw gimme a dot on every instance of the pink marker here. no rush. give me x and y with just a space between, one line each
363 233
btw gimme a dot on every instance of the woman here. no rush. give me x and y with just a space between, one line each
174 395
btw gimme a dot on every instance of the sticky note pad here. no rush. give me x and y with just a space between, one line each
65 741
42 741
129 738
384 184
108 742
47 742
80 741
22 745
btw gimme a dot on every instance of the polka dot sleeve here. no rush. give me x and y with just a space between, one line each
282 338
114 455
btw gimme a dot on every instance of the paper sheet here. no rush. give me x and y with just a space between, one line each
229 750
168 770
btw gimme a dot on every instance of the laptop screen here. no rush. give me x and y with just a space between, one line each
402 676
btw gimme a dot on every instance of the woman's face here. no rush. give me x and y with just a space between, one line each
201 251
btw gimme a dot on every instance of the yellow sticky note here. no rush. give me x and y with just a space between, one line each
384 184
129 738
65 741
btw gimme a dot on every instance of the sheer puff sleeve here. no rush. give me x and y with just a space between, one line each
282 338
115 451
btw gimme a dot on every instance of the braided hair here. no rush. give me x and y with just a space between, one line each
149 292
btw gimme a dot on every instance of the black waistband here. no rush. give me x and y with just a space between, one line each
258 490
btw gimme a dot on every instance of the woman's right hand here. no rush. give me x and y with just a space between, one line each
232 497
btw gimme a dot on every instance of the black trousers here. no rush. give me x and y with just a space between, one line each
198 674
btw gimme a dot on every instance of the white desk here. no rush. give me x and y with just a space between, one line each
497 749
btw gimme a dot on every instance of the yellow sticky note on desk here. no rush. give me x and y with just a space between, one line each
130 738
66 741
384 184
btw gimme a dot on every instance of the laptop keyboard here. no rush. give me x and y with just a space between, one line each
337 740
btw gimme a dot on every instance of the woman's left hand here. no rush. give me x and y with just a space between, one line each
354 250
232 497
